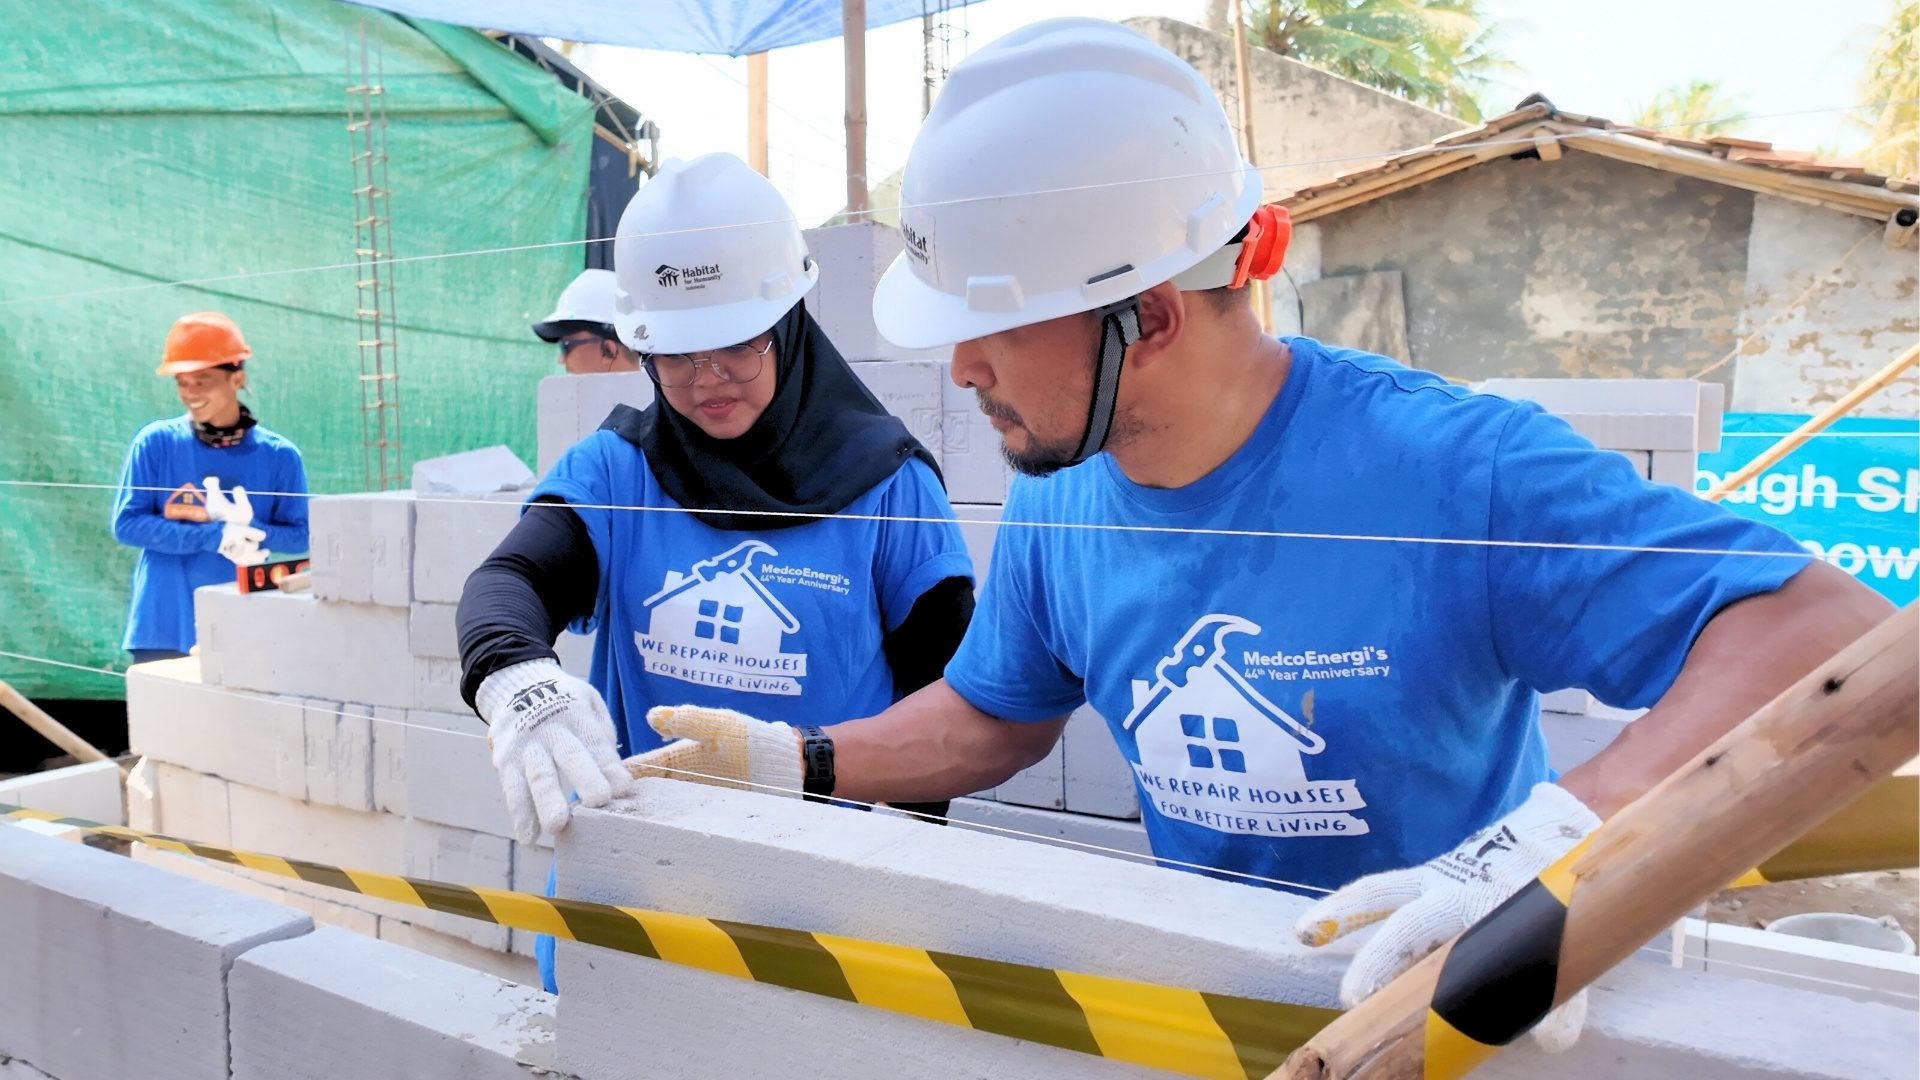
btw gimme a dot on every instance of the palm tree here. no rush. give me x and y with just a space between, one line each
1890 88
1694 111
1438 53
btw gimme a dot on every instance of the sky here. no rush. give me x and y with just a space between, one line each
1790 72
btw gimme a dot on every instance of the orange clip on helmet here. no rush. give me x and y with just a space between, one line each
202 340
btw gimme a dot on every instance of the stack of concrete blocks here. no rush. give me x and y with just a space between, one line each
124 970
120 969
677 847
1662 426
329 726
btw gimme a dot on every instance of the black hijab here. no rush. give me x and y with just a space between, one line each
822 441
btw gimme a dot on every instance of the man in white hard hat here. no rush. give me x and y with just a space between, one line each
582 325
1314 593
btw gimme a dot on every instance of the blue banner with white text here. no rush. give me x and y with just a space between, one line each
1850 494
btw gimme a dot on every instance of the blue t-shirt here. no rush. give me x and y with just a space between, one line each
1313 709
167 463
781 625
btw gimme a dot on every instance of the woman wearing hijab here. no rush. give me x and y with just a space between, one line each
737 544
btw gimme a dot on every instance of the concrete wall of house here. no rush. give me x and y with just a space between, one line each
1804 355
1308 125
1579 267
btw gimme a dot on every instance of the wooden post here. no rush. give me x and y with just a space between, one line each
1791 442
56 732
757 112
853 30
1262 298
1789 766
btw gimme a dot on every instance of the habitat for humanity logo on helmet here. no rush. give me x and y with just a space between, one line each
686 277
919 244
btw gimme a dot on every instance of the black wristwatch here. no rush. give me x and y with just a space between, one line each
816 754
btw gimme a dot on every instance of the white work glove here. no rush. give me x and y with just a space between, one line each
724 748
550 733
1423 906
239 540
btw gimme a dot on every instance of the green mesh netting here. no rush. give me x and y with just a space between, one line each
153 141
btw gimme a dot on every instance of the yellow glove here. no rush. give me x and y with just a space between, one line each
723 748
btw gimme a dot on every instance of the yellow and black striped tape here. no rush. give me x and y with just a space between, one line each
1181 1031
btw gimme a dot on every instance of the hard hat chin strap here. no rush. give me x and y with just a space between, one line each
1119 328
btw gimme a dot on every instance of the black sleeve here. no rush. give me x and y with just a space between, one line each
919 648
542 576
918 651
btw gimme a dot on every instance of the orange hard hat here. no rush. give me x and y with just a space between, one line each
202 340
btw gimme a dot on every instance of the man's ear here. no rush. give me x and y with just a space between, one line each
1163 319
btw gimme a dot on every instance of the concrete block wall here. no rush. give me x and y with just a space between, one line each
121 968
829 870
90 790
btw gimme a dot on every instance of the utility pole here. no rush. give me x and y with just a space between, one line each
853 31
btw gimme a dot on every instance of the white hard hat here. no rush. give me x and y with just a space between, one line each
708 255
586 299
1068 165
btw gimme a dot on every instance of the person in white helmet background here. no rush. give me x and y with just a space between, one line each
729 543
581 323
1321 591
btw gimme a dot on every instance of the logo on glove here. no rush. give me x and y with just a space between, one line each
543 700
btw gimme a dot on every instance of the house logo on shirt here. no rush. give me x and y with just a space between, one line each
717 625
1214 752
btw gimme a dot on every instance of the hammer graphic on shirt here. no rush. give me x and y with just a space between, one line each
1203 647
735 560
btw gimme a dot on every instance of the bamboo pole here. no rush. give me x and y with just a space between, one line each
1793 763
853 30
1792 441
1262 297
55 732
757 112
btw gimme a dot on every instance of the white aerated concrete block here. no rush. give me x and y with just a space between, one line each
90 790
976 470
436 684
318 903
390 761
239 735
1083 832
300 645
677 846
340 754
1098 779
910 390
180 803
1617 414
332 1005
573 407
115 969
433 631
458 857
472 472
703 1025
265 822
1572 740
1674 467
1042 784
1785 960
450 774
453 535
1572 701
420 939
852 258
979 527
363 547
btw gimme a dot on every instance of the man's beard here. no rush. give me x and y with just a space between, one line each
1043 457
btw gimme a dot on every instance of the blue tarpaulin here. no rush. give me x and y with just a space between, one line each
733 27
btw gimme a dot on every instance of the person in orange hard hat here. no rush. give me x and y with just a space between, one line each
184 499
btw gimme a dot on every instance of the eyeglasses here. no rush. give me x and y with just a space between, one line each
568 344
735 363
